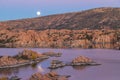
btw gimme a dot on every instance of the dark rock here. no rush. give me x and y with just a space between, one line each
15 78
57 64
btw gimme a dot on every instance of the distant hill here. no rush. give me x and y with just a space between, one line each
92 19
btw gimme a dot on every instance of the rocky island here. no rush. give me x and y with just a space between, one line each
83 61
26 57
78 61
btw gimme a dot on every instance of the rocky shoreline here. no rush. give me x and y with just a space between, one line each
53 38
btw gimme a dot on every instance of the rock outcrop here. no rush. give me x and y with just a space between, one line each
48 76
81 59
8 61
29 55
26 57
61 39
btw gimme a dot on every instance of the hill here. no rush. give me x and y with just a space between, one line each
91 19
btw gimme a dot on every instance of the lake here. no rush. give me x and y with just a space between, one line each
109 70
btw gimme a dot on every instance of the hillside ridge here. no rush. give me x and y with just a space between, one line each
97 18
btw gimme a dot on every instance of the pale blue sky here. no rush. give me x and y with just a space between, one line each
18 9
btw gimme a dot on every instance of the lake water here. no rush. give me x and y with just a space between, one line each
109 70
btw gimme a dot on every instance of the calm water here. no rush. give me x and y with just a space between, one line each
109 70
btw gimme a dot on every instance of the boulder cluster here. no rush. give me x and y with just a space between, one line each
48 76
82 59
8 60
52 38
23 58
28 54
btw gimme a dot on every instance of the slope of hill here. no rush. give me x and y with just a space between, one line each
92 19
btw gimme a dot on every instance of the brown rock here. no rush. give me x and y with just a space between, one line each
81 59
63 38
28 54
48 76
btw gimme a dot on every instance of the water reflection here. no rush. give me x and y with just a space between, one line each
15 71
79 67
9 71
40 69
34 65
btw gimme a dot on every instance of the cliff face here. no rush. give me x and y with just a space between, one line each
61 38
95 28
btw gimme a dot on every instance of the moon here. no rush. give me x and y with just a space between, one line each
38 13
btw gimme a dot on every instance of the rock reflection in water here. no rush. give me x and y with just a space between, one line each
79 67
14 71
9 71
34 66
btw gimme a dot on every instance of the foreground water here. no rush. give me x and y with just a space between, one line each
109 70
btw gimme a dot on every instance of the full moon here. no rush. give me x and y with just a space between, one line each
38 13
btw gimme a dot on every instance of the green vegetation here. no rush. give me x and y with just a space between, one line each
27 55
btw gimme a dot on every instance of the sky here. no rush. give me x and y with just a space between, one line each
19 9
